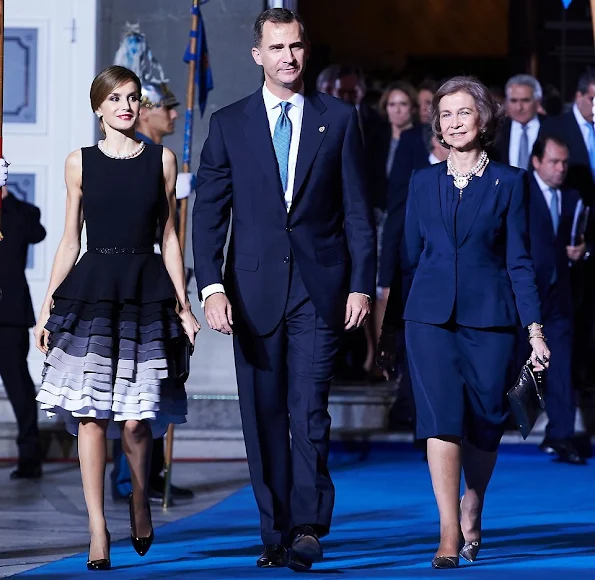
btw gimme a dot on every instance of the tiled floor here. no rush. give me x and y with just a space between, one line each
42 521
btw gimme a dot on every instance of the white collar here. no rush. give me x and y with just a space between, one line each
579 118
543 185
271 101
532 124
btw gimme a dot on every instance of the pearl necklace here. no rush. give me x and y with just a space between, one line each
462 179
135 153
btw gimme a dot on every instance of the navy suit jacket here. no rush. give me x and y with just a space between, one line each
579 175
21 227
500 149
487 277
329 229
548 250
411 154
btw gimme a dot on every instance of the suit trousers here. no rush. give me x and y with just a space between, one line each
283 384
14 346
559 393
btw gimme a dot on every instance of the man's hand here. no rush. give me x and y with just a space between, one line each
386 353
218 313
576 253
357 310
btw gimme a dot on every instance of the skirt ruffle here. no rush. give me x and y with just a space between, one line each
110 360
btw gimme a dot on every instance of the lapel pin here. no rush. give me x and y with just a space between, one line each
321 129
497 181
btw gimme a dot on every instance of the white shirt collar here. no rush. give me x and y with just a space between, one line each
433 159
532 124
271 101
543 185
579 118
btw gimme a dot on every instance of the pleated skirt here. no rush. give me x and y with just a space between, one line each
112 360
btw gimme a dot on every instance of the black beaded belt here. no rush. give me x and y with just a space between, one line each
139 250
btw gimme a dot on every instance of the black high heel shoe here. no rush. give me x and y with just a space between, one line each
140 545
104 563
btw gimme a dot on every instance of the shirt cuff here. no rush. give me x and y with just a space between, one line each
362 294
211 289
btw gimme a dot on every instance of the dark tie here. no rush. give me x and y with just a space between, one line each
523 160
281 142
555 222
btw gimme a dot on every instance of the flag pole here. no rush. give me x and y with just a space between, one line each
187 158
1 93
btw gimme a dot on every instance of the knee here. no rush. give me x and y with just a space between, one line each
93 427
136 430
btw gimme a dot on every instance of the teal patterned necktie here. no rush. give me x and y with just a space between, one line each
281 142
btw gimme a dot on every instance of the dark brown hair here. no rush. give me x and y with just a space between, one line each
404 87
490 112
277 16
106 82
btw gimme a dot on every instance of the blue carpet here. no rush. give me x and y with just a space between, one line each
539 523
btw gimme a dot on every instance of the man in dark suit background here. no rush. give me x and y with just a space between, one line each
288 169
21 227
519 130
575 128
552 227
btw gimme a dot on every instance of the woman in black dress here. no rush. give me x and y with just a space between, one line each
108 325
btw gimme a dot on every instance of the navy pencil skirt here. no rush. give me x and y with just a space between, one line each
460 377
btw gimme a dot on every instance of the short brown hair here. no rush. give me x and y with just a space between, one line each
490 111
277 16
404 87
105 83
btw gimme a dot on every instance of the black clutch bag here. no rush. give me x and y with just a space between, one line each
183 350
526 399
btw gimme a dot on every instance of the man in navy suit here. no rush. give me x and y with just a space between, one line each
300 270
575 128
518 133
553 219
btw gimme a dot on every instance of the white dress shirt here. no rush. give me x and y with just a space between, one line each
547 193
272 105
583 125
516 131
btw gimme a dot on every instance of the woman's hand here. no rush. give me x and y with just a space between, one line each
540 356
42 335
189 324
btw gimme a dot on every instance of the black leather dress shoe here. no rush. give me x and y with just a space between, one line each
565 450
27 471
305 549
273 556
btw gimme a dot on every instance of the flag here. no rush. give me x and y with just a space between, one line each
204 75
566 3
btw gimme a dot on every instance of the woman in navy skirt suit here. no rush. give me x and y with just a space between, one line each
469 279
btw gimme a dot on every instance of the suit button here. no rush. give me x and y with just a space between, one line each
287 229
286 260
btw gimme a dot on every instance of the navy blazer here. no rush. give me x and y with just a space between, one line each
579 177
548 249
487 277
411 154
499 151
21 227
329 229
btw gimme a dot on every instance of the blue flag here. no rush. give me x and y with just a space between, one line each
204 75
566 3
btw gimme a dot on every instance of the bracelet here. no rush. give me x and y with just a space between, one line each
537 335
534 326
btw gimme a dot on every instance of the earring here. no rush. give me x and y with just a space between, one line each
442 140
483 131
99 115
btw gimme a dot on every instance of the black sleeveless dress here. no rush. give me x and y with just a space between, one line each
113 322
